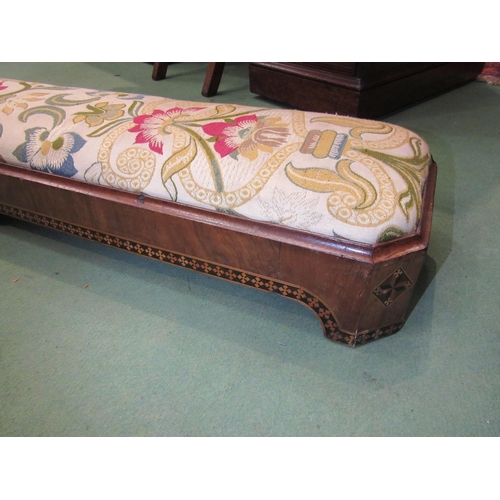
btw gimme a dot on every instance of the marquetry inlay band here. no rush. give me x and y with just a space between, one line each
330 327
391 288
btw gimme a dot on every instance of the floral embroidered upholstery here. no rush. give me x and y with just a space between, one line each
337 176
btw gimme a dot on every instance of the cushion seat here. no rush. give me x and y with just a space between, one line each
336 176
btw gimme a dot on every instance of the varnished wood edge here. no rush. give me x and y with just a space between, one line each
295 292
360 252
353 82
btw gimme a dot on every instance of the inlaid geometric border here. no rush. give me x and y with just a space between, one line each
331 329
392 287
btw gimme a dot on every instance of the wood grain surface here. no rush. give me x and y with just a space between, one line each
359 292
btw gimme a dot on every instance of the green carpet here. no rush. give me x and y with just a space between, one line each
97 342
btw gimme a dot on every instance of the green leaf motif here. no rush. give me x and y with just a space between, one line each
315 179
134 108
224 109
98 132
178 161
57 114
93 173
59 100
409 169
171 189
391 233
407 201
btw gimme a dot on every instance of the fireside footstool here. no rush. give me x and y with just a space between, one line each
332 211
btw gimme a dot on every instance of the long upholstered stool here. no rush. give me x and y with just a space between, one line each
331 211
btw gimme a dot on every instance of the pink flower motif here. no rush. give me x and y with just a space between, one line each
247 135
151 128
2 87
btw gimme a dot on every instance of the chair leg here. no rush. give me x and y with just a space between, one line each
212 79
159 70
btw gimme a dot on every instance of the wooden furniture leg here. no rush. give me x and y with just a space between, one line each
159 70
212 79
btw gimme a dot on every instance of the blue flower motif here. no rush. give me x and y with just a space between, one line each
50 152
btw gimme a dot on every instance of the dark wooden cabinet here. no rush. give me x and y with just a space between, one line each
366 90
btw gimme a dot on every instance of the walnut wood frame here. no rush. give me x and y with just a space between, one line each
359 292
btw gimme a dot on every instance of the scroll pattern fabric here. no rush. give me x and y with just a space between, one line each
356 179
